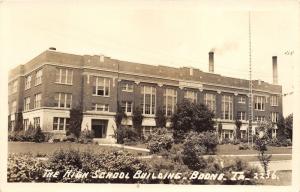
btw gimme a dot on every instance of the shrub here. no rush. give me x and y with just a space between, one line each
86 136
76 116
196 145
38 136
159 140
24 168
127 135
160 117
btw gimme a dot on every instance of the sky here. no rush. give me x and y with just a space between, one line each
170 32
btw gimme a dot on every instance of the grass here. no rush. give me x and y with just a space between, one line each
229 149
49 148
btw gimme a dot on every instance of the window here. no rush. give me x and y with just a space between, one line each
36 122
14 107
37 100
38 77
148 100
15 86
191 96
63 100
227 107
100 107
64 76
259 103
274 100
127 106
12 124
25 123
27 82
210 101
169 102
101 86
274 117
127 87
147 130
242 99
61 124
260 118
26 103
241 115
227 134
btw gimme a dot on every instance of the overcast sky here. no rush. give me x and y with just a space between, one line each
172 33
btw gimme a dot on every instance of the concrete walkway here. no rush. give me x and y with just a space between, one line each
125 147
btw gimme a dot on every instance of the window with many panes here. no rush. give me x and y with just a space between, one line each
28 82
260 118
127 87
38 77
227 107
148 100
190 95
63 100
25 123
14 107
15 86
241 115
259 103
101 86
127 106
26 103
61 123
169 101
64 76
274 117
274 100
210 101
242 99
36 122
37 100
100 107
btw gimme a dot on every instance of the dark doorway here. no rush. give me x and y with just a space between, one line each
99 127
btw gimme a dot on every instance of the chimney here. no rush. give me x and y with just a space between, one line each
211 61
275 72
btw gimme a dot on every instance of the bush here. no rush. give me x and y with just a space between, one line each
30 135
127 135
24 168
196 145
159 140
86 136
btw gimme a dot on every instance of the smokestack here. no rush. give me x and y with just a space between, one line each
275 72
211 61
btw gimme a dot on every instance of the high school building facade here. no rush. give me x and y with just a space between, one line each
47 87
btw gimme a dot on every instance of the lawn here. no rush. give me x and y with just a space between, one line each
229 149
49 148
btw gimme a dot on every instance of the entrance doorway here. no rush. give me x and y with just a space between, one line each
99 127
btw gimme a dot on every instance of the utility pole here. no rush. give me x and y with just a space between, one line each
250 107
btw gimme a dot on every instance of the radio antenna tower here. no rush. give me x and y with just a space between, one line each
250 107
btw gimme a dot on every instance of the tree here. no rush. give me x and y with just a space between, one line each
76 116
137 120
238 125
190 116
160 118
261 147
19 122
120 115
219 131
285 127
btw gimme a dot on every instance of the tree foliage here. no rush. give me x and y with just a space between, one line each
76 116
160 118
238 125
191 117
137 120
285 127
